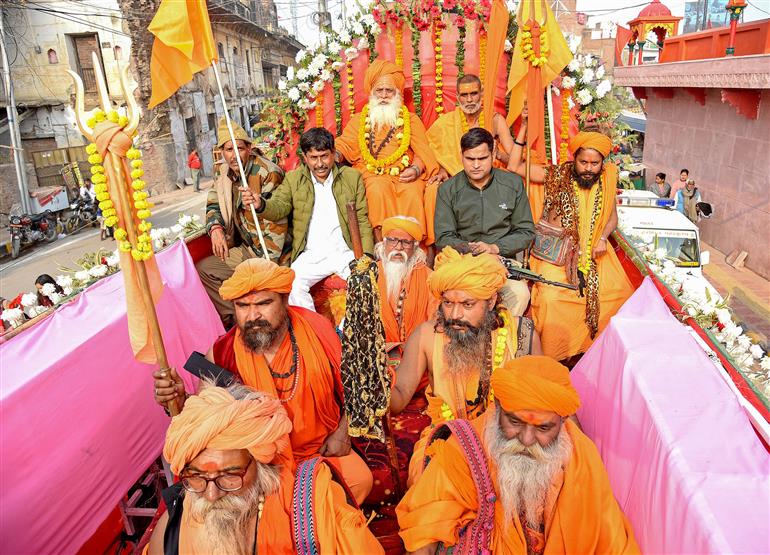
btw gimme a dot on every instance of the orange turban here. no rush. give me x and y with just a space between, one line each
590 139
480 276
535 383
404 223
382 68
213 419
256 274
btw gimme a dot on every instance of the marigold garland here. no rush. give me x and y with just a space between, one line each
142 250
437 32
460 54
527 47
564 135
319 109
351 91
399 39
483 56
464 121
396 162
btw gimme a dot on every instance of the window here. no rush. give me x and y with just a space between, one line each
222 59
117 52
53 58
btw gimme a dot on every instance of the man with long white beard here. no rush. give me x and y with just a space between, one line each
389 146
471 334
235 490
544 486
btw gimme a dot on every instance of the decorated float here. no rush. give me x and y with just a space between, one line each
665 387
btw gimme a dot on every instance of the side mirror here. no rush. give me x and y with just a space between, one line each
705 258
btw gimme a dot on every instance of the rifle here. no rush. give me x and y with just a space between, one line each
516 272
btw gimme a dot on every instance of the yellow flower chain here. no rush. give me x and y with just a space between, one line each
399 38
319 109
143 248
351 97
497 361
396 162
483 56
528 50
437 32
585 261
464 121
564 135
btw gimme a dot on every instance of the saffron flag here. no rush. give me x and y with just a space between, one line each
184 45
622 39
539 32
496 35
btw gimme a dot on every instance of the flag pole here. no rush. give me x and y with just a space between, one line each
551 123
244 185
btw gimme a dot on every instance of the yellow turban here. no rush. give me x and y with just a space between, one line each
480 276
224 135
590 139
404 223
382 68
535 383
213 419
256 274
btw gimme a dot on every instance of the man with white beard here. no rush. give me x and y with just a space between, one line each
229 448
543 485
389 146
405 300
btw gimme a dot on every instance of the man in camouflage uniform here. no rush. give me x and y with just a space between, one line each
229 223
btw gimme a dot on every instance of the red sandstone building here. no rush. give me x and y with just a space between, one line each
710 113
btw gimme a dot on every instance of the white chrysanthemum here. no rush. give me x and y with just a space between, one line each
764 364
55 297
290 73
724 317
281 85
176 229
113 260
301 55
13 316
333 48
351 53
326 76
293 94
184 220
508 45
568 83
744 342
573 42
302 74
29 299
338 65
64 281
82 275
570 103
588 76
603 88
345 37
588 60
756 351
668 266
574 65
99 270
318 86
47 289
368 20
357 29
67 291
732 331
584 97
600 72
306 104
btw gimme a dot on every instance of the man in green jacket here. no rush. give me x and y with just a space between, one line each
486 208
315 195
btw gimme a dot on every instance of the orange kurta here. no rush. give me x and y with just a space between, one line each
340 528
385 195
559 313
455 391
582 517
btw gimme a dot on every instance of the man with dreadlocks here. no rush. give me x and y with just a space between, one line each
579 205
291 353
470 334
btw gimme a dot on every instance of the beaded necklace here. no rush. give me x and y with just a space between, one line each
400 314
464 121
260 507
294 370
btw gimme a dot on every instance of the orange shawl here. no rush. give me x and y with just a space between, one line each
585 517
315 408
419 305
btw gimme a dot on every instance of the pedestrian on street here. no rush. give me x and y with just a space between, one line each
659 186
687 200
194 163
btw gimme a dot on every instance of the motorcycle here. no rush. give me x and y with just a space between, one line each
84 213
27 229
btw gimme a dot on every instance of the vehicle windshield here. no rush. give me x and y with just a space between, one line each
681 245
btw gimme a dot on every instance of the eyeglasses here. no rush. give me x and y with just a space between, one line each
393 242
225 482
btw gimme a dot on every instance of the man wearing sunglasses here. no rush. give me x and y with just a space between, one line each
236 492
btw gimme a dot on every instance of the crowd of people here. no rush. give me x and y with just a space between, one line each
266 463
686 196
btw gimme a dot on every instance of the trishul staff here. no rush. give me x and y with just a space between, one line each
117 176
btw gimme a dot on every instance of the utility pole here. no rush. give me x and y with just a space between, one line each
13 124
294 24
324 17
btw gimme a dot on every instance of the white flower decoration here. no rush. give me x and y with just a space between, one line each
302 74
29 300
588 76
568 83
603 88
100 270
113 261
293 94
184 220
573 66
338 65
326 76
301 55
290 73
82 275
570 102
344 36
304 86
357 29
47 289
64 281
584 97
764 364
508 45
14 316
600 72
333 48
724 317
351 53
282 85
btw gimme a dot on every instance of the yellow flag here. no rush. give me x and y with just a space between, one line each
184 45
526 81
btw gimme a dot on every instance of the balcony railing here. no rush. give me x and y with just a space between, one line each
89 79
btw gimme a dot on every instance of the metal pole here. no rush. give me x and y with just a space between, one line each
13 125
323 12
551 123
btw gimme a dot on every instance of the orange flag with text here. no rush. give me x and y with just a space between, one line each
539 56
184 45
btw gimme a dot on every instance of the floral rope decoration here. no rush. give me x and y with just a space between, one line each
438 29
483 56
586 261
396 162
460 54
142 250
528 49
351 91
336 86
399 39
416 75
319 109
564 135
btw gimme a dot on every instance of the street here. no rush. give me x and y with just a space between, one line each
18 276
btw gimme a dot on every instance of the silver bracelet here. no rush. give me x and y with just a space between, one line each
417 169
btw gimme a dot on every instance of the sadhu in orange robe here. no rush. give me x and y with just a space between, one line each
339 527
559 313
314 402
581 515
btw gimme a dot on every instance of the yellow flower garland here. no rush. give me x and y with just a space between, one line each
399 38
319 109
483 56
497 361
564 135
351 97
143 248
396 162
528 50
464 121
585 261
437 32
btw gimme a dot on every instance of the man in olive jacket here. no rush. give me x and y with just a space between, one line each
316 195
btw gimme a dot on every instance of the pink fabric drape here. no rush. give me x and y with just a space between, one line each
684 462
79 422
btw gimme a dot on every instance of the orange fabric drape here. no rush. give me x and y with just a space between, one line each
584 518
184 45
315 409
419 304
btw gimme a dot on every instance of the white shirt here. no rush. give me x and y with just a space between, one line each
324 234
